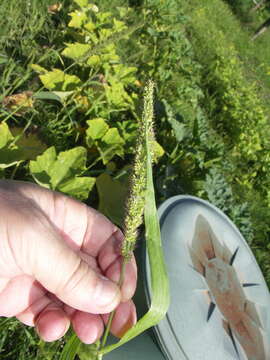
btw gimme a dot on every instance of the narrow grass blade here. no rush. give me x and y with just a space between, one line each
159 279
71 348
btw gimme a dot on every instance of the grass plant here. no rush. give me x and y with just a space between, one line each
141 200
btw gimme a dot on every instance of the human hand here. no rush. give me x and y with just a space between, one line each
54 255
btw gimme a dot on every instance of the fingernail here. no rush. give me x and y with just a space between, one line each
66 328
128 324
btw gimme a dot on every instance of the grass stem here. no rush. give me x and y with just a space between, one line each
111 317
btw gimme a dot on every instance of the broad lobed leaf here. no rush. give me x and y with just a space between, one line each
63 172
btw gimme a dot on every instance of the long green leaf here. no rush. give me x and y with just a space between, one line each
159 280
71 348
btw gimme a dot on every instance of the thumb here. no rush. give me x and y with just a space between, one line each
64 273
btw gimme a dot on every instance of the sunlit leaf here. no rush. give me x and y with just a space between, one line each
59 81
109 54
119 25
76 51
62 95
112 136
90 26
124 73
105 33
116 93
9 155
52 79
16 146
94 60
97 128
78 187
104 16
38 69
158 151
77 19
63 172
40 168
111 144
94 8
68 164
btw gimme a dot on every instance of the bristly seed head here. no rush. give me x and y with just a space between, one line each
136 199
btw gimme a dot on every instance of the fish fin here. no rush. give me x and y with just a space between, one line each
250 284
225 325
227 255
233 341
197 265
234 256
211 309
227 328
202 242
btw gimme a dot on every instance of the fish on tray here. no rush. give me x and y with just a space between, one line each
214 261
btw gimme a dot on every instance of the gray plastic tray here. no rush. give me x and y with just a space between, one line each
218 293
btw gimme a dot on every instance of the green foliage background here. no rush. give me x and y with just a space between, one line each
86 66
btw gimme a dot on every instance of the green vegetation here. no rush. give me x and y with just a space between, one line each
72 82
141 202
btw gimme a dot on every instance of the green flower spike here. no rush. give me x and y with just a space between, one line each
136 199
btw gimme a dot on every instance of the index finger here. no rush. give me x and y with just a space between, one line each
82 227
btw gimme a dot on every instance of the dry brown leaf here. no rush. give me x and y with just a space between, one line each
19 103
55 8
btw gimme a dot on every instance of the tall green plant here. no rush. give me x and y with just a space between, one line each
141 201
